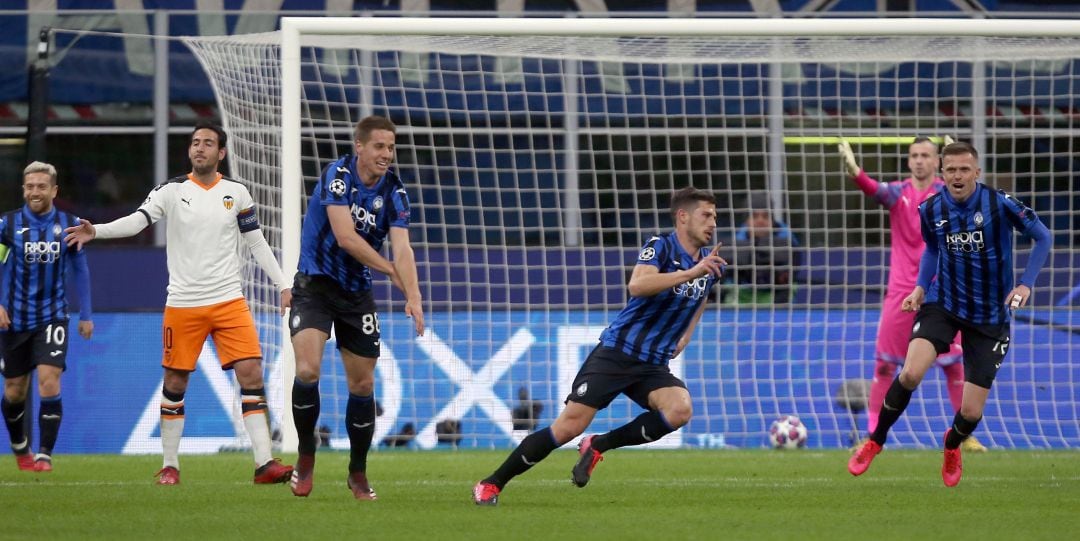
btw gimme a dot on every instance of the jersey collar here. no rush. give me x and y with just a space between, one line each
207 187
39 217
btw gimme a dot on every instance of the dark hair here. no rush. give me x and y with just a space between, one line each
959 148
684 197
222 139
369 124
924 139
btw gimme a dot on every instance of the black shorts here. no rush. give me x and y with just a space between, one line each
319 302
984 345
26 350
608 372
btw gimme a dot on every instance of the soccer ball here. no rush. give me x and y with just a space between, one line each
787 432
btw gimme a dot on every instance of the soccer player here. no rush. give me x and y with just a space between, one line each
902 199
33 311
357 203
965 284
207 216
668 289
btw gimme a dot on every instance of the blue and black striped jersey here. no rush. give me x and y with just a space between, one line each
374 211
649 328
974 245
32 287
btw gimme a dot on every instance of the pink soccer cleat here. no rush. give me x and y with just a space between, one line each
860 461
302 474
42 463
168 476
485 494
952 467
586 463
25 461
273 472
359 486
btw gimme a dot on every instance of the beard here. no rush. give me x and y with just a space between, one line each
204 169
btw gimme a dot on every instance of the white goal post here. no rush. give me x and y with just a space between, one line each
539 154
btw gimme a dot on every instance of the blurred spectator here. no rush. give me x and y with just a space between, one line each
527 411
402 438
764 259
324 436
448 431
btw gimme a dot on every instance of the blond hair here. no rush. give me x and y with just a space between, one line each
41 167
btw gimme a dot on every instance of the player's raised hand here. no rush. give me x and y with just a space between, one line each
1018 296
913 301
850 165
77 235
711 264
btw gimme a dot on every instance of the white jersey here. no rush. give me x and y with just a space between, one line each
203 234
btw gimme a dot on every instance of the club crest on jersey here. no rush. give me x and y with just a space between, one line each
978 219
227 201
647 254
56 229
582 389
377 203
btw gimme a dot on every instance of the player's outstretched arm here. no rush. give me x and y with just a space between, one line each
132 224
405 264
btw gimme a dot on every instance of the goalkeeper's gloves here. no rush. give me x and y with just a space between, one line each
848 156
946 141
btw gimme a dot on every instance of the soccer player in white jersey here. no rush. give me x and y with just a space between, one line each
207 216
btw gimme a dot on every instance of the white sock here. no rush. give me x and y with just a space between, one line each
172 427
258 429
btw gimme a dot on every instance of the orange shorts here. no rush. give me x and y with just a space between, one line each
184 332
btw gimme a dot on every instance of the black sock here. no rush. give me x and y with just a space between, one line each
305 410
52 411
534 448
649 426
896 401
360 424
961 429
13 418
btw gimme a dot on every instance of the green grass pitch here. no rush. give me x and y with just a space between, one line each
634 494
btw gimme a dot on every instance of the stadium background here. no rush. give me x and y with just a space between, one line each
102 127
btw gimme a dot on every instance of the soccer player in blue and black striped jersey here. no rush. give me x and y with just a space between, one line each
33 310
965 285
357 204
668 290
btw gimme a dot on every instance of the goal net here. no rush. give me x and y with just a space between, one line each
540 155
